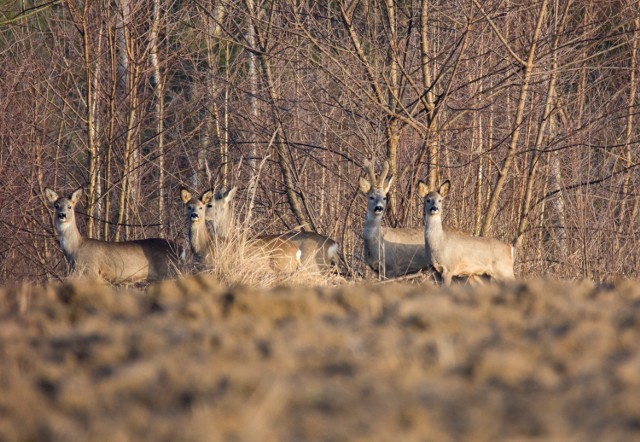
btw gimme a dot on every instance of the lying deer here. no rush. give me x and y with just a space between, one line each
318 251
284 256
457 253
115 262
390 252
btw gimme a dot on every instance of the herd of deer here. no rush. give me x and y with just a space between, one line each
391 252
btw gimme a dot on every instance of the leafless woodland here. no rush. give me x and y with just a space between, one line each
530 108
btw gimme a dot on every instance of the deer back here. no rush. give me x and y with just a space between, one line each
283 255
319 252
464 254
401 250
149 259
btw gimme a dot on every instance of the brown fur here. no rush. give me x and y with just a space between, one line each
457 253
283 255
390 252
149 259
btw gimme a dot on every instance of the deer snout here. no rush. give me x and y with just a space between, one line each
194 216
62 216
434 210
378 209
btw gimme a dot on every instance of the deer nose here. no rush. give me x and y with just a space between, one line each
434 209
194 217
62 216
378 209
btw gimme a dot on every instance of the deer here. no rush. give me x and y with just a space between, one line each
390 252
219 213
284 256
319 252
125 262
456 253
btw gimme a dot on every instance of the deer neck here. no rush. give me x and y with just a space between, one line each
434 233
199 238
372 235
70 239
223 229
372 226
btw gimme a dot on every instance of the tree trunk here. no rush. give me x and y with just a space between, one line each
158 83
511 151
550 101
286 166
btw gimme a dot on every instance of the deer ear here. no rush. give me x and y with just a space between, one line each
207 197
388 183
423 189
76 195
52 197
230 194
365 185
444 188
185 195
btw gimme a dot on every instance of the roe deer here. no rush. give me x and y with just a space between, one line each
219 214
284 256
457 253
115 262
389 251
318 251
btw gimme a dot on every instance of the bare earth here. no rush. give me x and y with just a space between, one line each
191 360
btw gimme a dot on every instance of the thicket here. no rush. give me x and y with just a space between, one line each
530 108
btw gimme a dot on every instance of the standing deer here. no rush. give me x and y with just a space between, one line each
115 262
318 251
284 256
457 253
389 251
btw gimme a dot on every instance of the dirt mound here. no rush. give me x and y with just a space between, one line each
191 360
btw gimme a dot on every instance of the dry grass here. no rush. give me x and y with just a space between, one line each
191 359
237 261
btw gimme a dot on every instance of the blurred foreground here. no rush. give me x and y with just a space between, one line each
193 360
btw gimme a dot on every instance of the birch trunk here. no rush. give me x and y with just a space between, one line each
528 67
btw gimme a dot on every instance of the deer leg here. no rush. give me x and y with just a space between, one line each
474 280
447 276
503 276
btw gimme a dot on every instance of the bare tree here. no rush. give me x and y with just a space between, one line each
530 108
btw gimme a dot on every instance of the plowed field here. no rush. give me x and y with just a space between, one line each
193 360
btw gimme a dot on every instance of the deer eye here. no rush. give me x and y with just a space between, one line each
209 206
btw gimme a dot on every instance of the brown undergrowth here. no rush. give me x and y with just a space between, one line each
237 262
191 359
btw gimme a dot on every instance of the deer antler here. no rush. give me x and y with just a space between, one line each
385 172
368 165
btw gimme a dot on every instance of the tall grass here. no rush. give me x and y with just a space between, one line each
240 260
